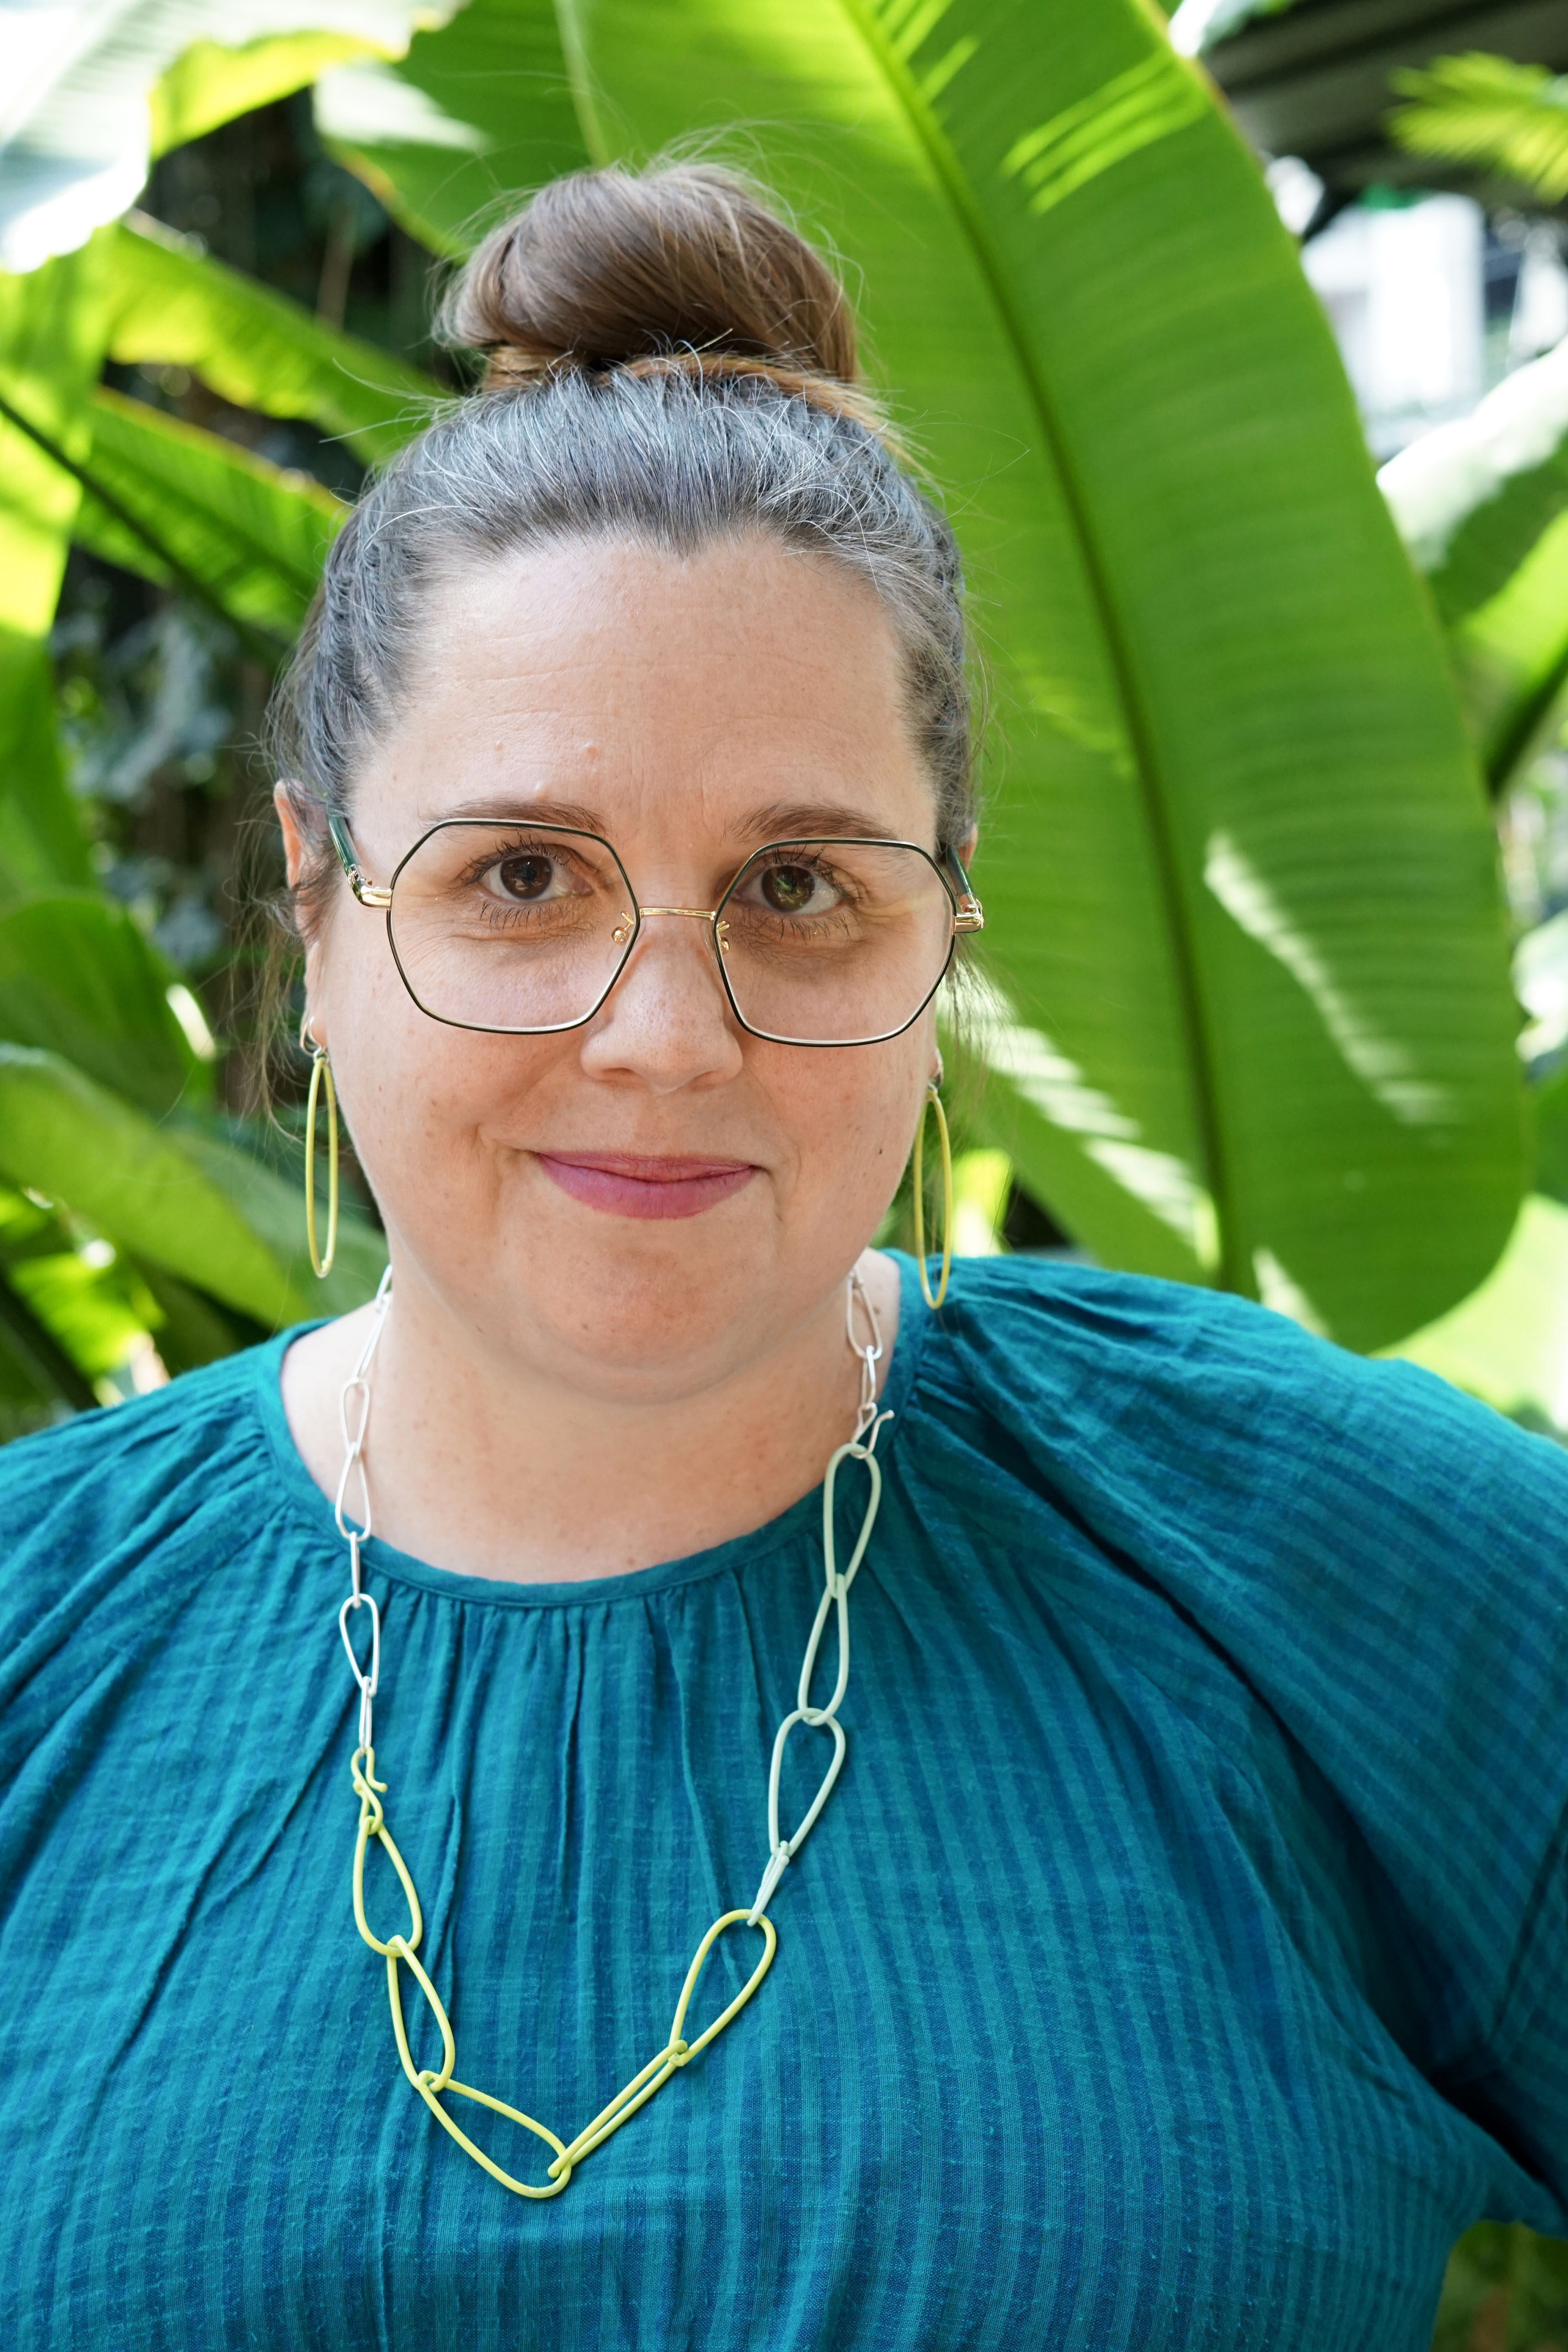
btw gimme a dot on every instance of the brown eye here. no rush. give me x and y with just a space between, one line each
527 875
788 888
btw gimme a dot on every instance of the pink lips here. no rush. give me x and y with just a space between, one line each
625 1185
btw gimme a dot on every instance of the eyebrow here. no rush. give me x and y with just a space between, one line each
571 816
811 821
780 821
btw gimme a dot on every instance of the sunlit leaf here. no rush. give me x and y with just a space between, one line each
184 506
477 109
255 348
178 1196
1512 119
1511 657
41 842
272 1206
78 979
210 82
53 326
1478 504
64 1136
1250 1018
79 132
1472 498
72 1314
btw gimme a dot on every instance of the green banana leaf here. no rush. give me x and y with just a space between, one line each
1482 506
84 102
1249 1018
53 325
492 114
210 82
178 1197
174 306
70 1315
182 506
78 979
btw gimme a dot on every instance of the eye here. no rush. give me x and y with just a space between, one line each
527 875
797 890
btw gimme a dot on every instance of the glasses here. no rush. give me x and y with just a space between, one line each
524 930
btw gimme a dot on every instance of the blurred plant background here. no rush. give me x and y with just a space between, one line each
1239 351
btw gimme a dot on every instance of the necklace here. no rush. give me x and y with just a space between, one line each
402 1950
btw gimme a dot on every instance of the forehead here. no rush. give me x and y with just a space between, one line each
652 689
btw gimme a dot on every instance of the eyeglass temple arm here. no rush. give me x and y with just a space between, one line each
367 893
970 915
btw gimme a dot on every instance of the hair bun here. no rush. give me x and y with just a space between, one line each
606 267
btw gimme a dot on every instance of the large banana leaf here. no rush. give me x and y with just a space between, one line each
1482 505
77 133
182 507
52 330
179 505
492 112
1252 1011
253 347
180 1197
78 979
211 82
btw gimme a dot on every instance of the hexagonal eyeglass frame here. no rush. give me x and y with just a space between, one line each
967 917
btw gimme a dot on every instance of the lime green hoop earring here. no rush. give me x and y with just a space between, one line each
934 1099
321 1068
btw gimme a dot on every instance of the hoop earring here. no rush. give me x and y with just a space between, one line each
934 1099
320 1067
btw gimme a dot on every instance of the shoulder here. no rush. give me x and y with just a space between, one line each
1213 1397
121 1484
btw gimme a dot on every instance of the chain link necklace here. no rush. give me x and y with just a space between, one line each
402 1950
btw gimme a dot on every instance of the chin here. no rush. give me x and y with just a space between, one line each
630 1310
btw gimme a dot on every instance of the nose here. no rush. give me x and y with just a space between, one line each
666 1021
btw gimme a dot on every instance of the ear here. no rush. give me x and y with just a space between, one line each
292 841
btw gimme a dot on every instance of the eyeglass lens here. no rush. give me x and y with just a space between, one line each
521 928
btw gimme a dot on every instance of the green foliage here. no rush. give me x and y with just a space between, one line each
77 980
100 83
210 82
1245 1016
477 111
254 346
1254 1022
1482 505
1512 119
1507 2291
186 508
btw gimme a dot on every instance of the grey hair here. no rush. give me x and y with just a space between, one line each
675 447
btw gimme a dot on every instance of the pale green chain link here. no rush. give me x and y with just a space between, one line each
432 2082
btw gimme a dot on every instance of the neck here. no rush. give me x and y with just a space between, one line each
478 1463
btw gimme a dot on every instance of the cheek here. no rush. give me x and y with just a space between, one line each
850 1118
415 1092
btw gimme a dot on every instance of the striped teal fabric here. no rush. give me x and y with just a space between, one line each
1180 1962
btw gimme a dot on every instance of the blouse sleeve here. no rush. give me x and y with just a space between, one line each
1381 1560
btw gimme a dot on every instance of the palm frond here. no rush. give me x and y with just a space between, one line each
1488 110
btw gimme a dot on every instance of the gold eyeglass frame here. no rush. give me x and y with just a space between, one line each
969 915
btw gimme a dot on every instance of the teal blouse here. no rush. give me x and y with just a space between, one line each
1179 1962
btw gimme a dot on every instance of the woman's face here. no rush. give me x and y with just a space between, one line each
688 711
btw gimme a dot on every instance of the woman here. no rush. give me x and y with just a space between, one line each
1176 1958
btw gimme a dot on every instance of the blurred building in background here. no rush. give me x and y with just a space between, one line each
1431 303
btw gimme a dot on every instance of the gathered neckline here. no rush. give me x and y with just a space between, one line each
302 1494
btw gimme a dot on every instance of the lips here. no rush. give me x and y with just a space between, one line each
624 1184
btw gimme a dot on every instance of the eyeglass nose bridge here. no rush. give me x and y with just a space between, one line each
622 930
